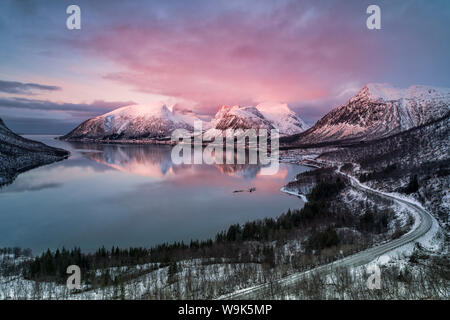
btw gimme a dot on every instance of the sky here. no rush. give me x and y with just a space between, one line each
200 54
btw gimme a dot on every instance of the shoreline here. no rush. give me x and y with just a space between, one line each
7 179
300 195
135 142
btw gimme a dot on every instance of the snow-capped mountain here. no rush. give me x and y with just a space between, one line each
188 116
236 117
158 121
263 116
18 154
282 118
380 110
135 122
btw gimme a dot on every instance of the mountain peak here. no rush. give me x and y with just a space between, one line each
140 110
273 106
267 115
387 92
154 120
380 110
282 117
223 108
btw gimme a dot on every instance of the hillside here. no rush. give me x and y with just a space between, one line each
393 163
18 154
154 121
377 111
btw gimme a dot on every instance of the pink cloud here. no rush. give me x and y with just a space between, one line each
235 58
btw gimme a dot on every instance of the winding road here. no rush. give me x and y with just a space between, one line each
358 259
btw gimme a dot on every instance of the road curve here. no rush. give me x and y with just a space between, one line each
358 259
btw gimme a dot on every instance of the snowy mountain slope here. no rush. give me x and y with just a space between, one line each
235 118
18 154
157 121
282 118
263 116
188 116
389 163
137 121
380 110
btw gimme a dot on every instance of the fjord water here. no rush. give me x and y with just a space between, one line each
133 195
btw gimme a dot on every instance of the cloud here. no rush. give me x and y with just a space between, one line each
31 116
34 125
16 87
76 109
310 54
234 52
236 55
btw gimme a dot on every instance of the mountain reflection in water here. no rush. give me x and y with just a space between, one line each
155 161
133 195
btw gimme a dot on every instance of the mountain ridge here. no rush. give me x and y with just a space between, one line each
136 121
157 121
18 154
376 111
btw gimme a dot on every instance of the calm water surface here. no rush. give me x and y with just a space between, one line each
129 195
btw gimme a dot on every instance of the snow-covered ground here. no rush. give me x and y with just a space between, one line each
425 231
432 239
380 110
294 193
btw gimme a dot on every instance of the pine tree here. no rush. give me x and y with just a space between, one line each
413 185
172 272
122 290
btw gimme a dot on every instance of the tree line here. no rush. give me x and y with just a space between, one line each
318 221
